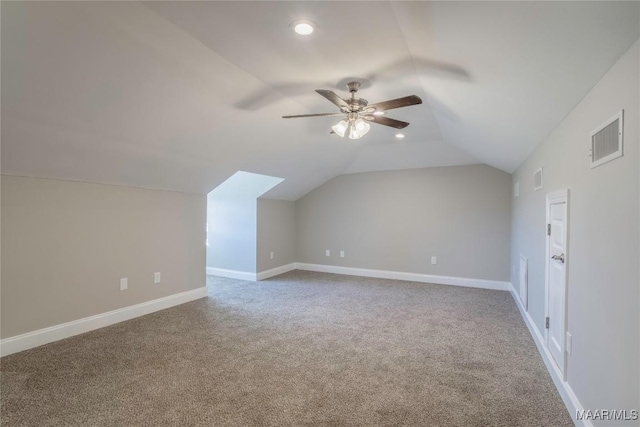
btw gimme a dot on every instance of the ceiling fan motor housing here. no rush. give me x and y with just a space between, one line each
353 86
357 104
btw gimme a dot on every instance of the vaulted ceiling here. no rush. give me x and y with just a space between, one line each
181 95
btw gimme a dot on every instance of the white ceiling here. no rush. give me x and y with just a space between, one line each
181 95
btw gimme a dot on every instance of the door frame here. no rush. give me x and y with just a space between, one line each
559 196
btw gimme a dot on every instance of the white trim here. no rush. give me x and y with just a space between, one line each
566 392
523 285
232 274
252 277
413 277
65 330
276 271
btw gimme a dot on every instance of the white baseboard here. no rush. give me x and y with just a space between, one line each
65 330
276 271
252 277
232 274
566 393
413 277
364 272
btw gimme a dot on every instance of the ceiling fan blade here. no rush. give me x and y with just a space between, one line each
395 103
386 121
331 96
314 115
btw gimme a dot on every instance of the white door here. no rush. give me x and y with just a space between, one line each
556 275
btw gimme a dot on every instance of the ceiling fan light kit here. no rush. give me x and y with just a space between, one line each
357 112
340 128
357 127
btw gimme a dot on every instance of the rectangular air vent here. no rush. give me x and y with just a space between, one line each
537 179
606 141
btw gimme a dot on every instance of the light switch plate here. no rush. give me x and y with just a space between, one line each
434 260
271 254
156 277
124 284
327 252
341 254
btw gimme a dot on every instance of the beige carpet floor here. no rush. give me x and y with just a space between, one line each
300 349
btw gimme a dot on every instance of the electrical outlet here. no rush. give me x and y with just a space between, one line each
327 253
341 254
434 260
124 284
156 277
271 254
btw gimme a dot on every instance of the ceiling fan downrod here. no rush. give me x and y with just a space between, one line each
355 104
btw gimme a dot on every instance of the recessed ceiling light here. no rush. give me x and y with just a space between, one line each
304 28
378 113
399 135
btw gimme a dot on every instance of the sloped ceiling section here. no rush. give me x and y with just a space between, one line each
245 185
181 95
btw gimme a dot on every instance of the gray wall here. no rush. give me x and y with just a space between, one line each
397 220
231 222
276 232
603 252
65 246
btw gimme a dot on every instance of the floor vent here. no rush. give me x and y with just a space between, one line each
537 179
606 141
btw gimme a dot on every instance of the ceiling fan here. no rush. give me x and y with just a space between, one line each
357 112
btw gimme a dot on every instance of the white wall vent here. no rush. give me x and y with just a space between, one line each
606 141
537 179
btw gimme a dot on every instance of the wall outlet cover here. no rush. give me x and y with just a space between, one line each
271 254
327 252
156 277
341 254
434 260
124 284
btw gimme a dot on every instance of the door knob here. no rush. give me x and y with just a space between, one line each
558 258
